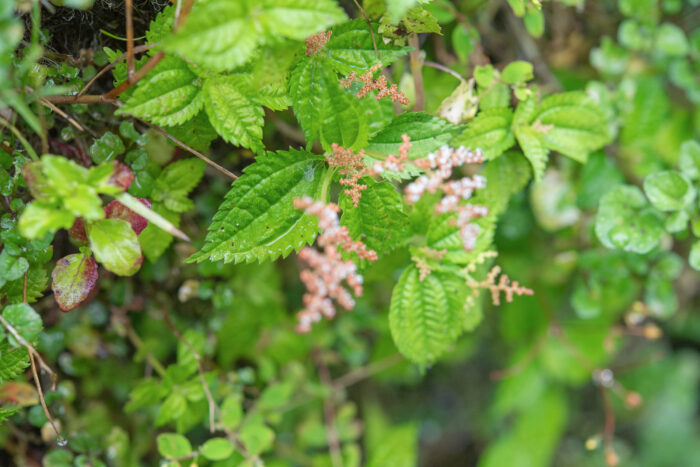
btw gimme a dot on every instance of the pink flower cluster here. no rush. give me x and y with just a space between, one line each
369 84
353 168
438 167
316 43
328 269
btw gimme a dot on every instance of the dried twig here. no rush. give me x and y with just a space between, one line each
129 7
109 66
191 150
441 67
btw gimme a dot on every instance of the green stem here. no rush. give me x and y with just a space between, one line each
25 143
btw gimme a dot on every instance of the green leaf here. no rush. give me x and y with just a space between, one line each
148 392
231 412
12 361
115 246
256 437
173 407
689 160
321 105
571 123
169 95
625 221
298 19
668 190
175 182
216 449
275 396
25 320
12 267
426 316
218 35
489 131
154 240
427 132
235 116
74 277
107 147
418 20
173 446
534 22
40 218
517 72
532 145
257 220
694 257
350 48
379 220
671 40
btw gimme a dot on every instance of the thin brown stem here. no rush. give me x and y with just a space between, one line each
136 77
109 66
128 5
328 411
365 372
441 67
192 151
213 408
369 25
37 382
608 428
78 99
416 71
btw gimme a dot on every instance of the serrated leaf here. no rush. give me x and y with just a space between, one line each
490 131
218 35
350 48
36 284
427 132
379 219
531 143
25 320
322 106
418 20
257 220
235 116
426 316
626 221
74 277
12 361
169 95
175 182
298 19
115 246
396 9
572 124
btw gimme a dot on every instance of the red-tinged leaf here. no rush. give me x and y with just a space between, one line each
77 231
73 278
116 210
20 393
122 176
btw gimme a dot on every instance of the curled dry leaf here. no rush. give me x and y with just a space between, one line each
73 278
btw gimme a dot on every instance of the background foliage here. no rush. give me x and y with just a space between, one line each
180 288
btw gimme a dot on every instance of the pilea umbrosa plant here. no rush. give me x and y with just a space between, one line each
221 216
